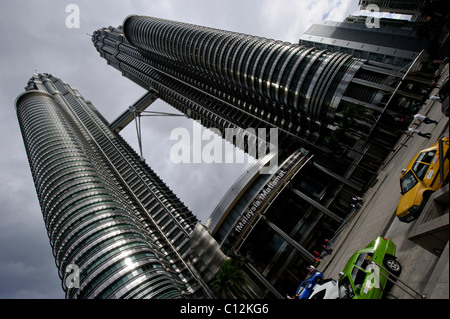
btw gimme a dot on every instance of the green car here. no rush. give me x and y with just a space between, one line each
362 279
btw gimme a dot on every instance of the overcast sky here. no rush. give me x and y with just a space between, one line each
35 38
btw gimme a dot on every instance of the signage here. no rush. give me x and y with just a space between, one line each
258 200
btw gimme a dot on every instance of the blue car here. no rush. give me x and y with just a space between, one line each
306 286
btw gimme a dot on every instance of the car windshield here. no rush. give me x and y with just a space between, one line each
407 182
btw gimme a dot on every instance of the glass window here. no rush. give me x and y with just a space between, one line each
302 287
407 182
420 169
362 260
358 272
426 157
358 276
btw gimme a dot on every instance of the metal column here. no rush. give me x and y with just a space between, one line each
320 207
302 250
266 283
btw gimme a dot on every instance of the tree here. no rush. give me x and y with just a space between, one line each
230 279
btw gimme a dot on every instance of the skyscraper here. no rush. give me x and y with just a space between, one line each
228 79
411 7
391 43
116 230
347 114
331 103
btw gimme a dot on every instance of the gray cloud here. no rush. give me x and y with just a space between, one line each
35 38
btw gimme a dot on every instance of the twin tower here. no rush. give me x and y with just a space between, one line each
123 232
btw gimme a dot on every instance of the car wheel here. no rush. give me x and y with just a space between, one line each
393 265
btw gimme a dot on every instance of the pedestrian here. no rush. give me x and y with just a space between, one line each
435 98
424 119
426 135
312 270
433 84
327 250
328 244
357 199
317 261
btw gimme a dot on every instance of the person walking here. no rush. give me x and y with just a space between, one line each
426 135
311 269
435 98
327 250
424 119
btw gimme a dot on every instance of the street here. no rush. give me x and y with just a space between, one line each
377 218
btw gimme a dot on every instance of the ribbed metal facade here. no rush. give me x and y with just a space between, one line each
233 80
229 79
290 75
105 211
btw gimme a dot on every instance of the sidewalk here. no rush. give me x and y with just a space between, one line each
422 270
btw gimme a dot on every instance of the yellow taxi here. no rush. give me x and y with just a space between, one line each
426 173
